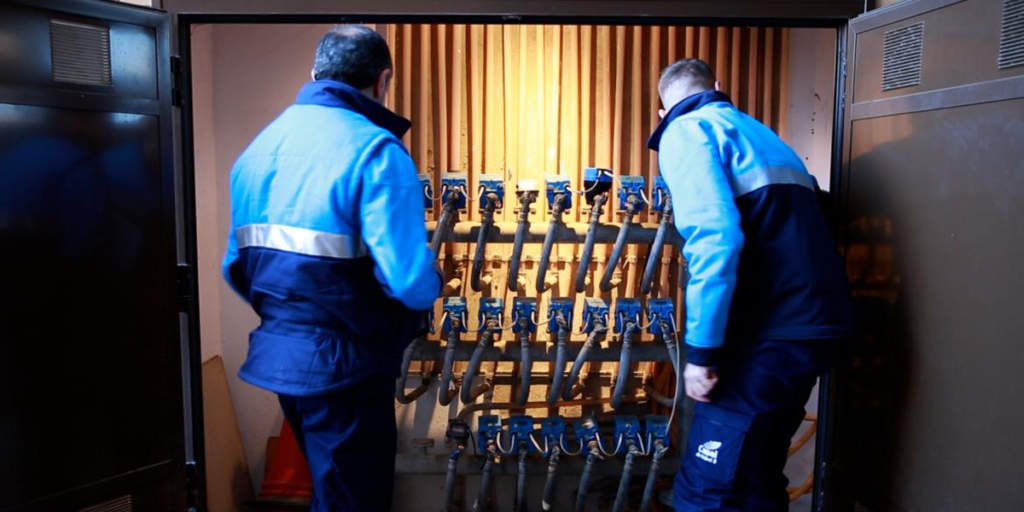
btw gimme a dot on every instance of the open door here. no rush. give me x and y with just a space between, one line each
928 409
92 412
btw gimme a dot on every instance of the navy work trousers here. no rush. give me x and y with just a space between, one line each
349 438
738 443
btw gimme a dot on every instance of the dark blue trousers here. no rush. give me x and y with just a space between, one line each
349 438
738 443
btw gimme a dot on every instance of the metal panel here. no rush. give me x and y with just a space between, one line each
933 187
1011 35
90 353
901 57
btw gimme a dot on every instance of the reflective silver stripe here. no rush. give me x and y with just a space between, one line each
300 241
754 180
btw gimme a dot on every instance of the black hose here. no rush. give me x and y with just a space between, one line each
561 354
577 365
520 505
449 479
482 497
588 468
620 245
622 496
588 245
549 241
486 338
624 362
549 481
522 228
400 393
652 475
490 203
669 339
446 394
655 254
526 366
444 224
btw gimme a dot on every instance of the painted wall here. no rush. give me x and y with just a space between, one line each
811 101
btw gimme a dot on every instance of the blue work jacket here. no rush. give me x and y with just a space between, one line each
328 243
763 264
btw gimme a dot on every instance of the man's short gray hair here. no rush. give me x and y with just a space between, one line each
692 74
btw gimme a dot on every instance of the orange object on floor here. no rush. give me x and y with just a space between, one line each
287 474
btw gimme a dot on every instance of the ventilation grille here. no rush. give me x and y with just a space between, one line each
901 57
1011 38
122 504
80 53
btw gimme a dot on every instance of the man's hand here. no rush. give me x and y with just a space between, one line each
699 380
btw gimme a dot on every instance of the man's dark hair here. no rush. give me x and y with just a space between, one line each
694 73
352 54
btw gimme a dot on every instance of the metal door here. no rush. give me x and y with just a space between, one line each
92 410
928 413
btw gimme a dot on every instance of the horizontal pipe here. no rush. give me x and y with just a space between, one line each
573 232
510 351
437 464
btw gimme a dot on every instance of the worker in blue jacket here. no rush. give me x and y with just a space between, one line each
328 245
767 302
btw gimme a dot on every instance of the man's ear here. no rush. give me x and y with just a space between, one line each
718 86
380 88
312 74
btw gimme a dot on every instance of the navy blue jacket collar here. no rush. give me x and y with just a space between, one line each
329 93
689 104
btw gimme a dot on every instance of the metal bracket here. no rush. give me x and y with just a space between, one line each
456 308
631 186
595 307
524 307
659 308
455 183
559 305
627 309
428 192
558 185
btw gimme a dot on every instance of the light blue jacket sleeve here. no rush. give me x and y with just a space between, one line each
392 226
707 218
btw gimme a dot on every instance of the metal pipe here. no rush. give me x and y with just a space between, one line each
522 227
624 362
588 469
526 363
448 392
549 241
627 469
486 338
444 224
511 352
491 406
577 365
620 243
561 357
436 464
400 394
588 246
652 475
490 203
483 496
449 479
504 232
656 249
524 451
549 480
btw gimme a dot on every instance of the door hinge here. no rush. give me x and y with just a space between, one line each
192 485
176 81
184 278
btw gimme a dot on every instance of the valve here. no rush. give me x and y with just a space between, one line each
552 430
492 184
626 428
586 430
594 308
491 308
626 310
656 428
632 186
524 307
660 198
556 185
456 308
521 428
454 183
488 429
660 309
561 305
596 181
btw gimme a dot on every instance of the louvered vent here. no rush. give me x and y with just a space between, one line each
122 504
80 53
901 57
1011 38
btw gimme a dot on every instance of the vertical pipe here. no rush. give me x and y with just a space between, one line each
624 361
549 242
581 492
656 250
522 227
549 481
526 365
447 393
588 245
560 359
627 470
444 224
486 338
599 330
482 497
620 244
449 479
400 394
520 504
490 204
652 475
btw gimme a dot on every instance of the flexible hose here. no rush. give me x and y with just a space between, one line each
588 245
486 337
407 354
485 478
656 250
561 354
673 355
449 479
624 361
520 505
490 203
446 394
588 468
444 224
526 366
627 468
549 241
581 358
652 475
522 228
549 481
620 245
